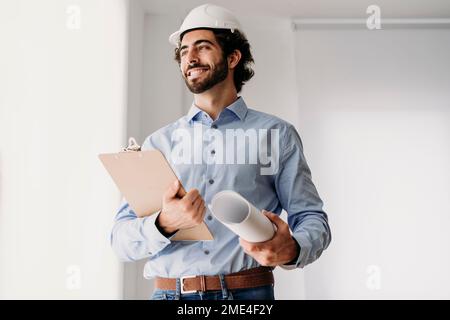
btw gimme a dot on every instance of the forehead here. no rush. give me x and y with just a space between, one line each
191 37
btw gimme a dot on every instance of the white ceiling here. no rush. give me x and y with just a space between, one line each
310 8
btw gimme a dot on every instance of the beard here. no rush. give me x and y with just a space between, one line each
215 76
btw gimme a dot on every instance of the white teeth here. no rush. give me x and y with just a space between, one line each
195 72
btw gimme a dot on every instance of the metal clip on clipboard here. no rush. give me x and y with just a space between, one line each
132 145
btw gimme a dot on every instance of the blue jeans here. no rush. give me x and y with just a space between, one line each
257 293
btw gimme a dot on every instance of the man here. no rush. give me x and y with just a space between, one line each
214 59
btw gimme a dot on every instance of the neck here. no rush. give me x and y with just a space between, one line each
214 100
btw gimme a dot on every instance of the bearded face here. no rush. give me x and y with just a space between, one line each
200 78
202 61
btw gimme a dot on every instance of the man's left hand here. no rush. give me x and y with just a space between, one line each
281 249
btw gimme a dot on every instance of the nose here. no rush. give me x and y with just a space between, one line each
192 57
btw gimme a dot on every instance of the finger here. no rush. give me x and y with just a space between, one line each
243 242
190 202
197 203
279 223
200 208
192 195
245 245
249 246
172 190
181 192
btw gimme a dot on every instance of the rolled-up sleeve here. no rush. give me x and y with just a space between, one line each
134 238
300 199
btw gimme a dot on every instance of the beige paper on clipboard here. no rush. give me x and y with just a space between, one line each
143 177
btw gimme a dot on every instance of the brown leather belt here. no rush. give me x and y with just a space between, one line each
250 278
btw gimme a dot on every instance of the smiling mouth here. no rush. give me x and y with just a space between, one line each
196 72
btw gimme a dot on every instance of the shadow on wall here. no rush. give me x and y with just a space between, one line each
1 185
2 294
136 287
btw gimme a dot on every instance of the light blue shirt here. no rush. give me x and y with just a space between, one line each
290 187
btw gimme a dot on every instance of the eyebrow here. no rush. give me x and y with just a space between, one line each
197 43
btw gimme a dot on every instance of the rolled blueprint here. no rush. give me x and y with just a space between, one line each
241 217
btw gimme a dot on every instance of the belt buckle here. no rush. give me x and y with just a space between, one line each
182 285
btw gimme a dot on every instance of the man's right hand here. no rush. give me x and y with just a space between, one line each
183 213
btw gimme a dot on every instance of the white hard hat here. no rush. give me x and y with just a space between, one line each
206 16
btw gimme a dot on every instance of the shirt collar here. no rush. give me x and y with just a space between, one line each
238 107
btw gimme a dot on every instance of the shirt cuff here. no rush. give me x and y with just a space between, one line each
156 241
294 263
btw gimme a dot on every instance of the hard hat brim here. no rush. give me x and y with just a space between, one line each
174 38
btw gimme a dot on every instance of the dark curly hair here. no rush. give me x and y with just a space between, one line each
230 41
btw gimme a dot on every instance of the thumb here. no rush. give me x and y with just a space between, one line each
276 220
172 190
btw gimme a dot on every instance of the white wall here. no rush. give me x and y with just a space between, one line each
375 117
62 102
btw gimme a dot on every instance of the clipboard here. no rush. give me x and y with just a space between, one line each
143 177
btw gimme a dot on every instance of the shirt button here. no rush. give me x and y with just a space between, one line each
206 251
211 181
209 218
214 126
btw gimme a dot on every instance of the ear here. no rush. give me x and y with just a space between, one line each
234 58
